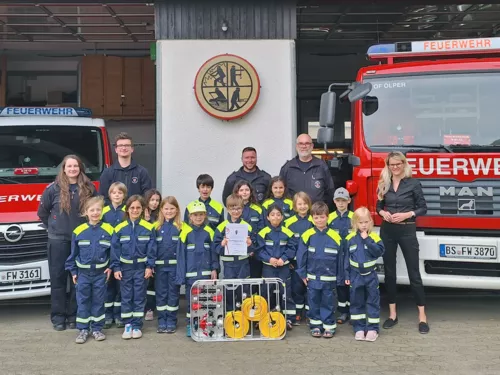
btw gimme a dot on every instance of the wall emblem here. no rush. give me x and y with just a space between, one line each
227 87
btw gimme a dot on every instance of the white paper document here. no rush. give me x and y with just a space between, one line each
236 235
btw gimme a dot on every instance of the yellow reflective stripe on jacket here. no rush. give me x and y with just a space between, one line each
88 266
171 261
232 259
128 261
365 265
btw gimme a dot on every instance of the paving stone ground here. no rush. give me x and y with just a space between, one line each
464 339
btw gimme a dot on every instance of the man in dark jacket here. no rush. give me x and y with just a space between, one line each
258 178
125 169
307 173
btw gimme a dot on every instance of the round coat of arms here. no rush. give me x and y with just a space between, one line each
227 87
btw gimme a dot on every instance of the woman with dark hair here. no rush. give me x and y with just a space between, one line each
61 210
400 201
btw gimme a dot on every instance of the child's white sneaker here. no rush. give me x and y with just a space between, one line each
371 336
149 315
127 333
359 336
137 333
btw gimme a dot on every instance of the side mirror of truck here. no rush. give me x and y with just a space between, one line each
359 91
327 117
353 160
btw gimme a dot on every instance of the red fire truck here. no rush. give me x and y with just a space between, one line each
33 143
435 101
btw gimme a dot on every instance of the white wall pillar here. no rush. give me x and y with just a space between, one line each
191 142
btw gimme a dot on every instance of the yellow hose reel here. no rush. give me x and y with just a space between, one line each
254 308
272 325
236 325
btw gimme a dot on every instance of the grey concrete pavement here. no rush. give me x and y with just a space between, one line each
464 339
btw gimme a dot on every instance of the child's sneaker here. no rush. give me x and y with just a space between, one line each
108 323
289 325
137 333
127 333
149 315
162 330
99 336
188 331
171 329
343 318
359 336
82 336
371 336
119 323
297 321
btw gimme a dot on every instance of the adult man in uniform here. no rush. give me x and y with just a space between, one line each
125 169
307 173
258 178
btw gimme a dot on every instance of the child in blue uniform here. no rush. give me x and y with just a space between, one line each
361 249
113 214
317 262
215 210
252 214
168 228
151 214
340 221
278 195
235 267
133 256
196 259
276 247
89 267
298 224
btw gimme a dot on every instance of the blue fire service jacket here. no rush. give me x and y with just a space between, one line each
285 204
276 242
195 254
133 243
318 256
298 224
252 214
220 233
167 239
215 212
360 255
90 247
113 216
340 223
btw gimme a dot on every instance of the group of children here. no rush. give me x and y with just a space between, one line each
319 255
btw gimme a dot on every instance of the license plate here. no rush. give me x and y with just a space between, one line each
468 251
27 274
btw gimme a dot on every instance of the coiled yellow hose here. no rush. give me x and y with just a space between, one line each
236 325
254 308
272 325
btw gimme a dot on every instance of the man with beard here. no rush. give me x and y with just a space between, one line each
258 178
307 173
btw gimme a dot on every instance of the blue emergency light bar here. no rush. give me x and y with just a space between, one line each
45 111
473 45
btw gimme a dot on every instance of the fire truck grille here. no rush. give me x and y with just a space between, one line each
450 197
32 247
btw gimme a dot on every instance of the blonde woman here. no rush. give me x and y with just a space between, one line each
400 201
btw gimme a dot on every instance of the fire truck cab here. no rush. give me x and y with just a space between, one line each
435 101
33 143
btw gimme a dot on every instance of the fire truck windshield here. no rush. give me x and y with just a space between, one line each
449 111
33 154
